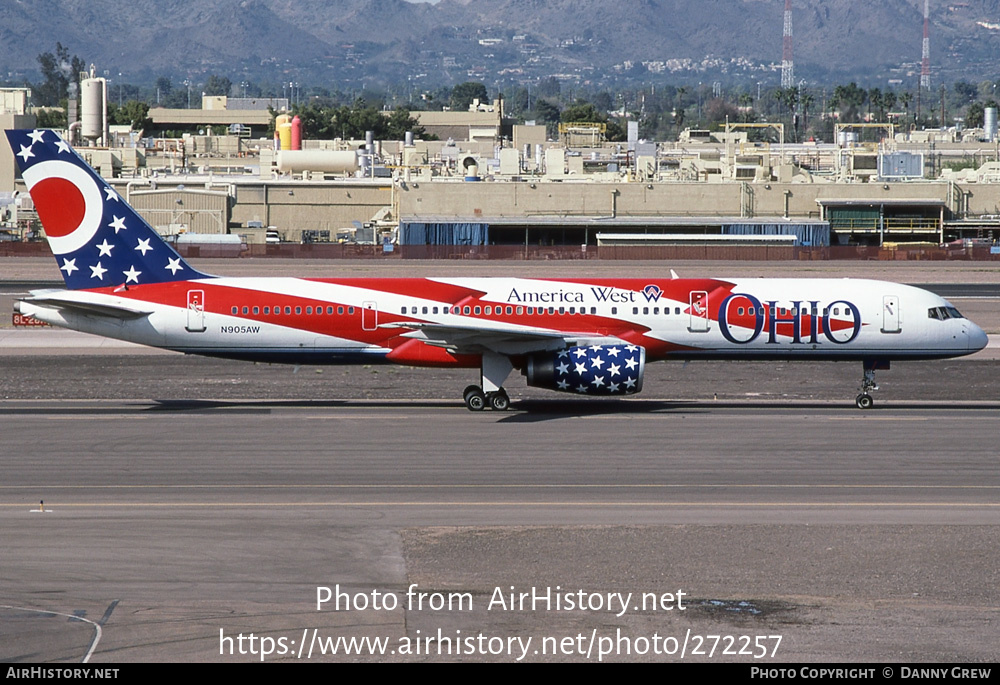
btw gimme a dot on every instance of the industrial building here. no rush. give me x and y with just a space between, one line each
476 188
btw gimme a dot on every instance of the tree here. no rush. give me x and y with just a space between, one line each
58 71
582 111
132 113
905 99
463 94
50 118
848 99
975 115
400 123
217 85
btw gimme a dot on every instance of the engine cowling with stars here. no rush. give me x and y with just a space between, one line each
590 370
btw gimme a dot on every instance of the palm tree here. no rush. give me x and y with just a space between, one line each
905 99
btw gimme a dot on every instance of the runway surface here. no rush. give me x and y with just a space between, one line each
855 536
188 502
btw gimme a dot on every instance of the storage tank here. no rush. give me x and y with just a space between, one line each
283 129
93 97
296 133
847 138
990 123
328 161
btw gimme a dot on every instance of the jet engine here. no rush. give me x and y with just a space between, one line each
592 370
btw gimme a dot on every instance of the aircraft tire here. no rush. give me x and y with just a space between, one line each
499 401
475 400
864 401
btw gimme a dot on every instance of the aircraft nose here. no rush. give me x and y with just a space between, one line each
977 338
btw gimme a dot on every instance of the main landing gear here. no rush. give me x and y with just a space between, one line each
477 400
495 369
868 385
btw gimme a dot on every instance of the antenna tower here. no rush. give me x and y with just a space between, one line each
925 52
787 64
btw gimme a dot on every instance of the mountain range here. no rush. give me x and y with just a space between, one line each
586 41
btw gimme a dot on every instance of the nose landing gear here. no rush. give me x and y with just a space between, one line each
868 385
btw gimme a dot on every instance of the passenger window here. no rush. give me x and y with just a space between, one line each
236 310
425 310
677 310
350 310
402 310
488 310
635 310
510 310
739 311
645 310
467 310
267 310
309 310
329 310
298 310
477 310
520 310
340 310
552 311
256 310
288 310
246 310
614 311
435 310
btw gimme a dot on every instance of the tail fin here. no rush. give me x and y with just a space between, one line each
97 239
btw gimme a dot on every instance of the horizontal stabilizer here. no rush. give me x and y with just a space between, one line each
87 303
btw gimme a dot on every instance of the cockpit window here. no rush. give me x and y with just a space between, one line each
943 313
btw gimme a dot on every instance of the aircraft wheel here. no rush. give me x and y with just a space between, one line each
864 401
475 400
499 400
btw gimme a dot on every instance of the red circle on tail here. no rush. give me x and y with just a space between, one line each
60 206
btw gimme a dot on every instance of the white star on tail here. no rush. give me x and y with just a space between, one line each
63 146
131 275
118 224
174 265
98 272
143 246
25 153
111 194
105 248
37 136
69 266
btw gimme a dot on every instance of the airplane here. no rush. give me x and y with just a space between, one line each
586 336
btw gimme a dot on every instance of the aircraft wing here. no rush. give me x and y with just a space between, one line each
475 339
87 303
